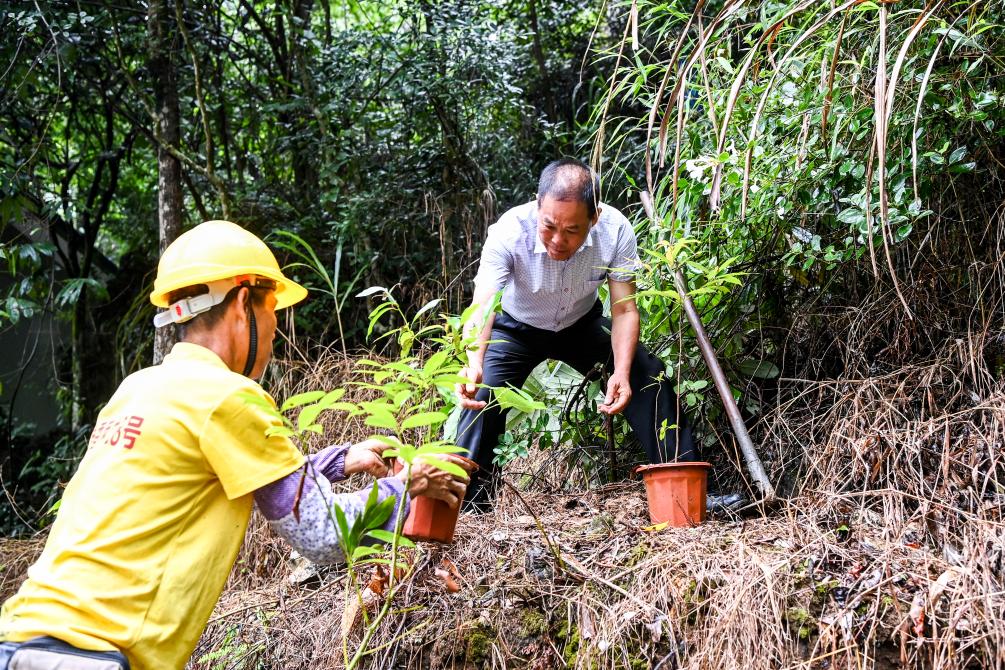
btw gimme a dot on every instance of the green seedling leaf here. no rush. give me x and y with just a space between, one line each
349 407
382 512
363 551
423 419
387 537
435 362
440 448
301 399
455 470
343 530
381 419
309 414
332 397
407 453
281 431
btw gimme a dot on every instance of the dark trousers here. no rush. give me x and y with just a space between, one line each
517 348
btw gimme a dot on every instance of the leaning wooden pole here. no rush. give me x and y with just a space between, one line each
750 457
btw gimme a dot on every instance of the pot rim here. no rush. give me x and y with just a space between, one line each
670 466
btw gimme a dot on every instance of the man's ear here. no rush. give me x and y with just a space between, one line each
596 216
241 301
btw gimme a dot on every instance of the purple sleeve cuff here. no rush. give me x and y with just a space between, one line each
392 487
330 461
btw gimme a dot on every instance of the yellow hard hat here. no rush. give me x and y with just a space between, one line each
217 250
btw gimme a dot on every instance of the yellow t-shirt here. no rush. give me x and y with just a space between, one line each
151 523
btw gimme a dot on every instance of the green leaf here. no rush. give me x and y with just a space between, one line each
957 155
425 308
444 465
367 292
387 537
851 215
423 419
308 415
301 399
435 362
343 531
759 368
363 551
257 401
381 419
332 397
511 398
381 512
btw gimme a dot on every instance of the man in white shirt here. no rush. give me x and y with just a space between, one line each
548 257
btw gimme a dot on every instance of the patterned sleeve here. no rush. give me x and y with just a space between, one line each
299 509
626 253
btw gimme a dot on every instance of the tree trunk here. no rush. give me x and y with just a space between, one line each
163 63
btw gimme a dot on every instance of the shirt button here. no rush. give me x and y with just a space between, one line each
566 290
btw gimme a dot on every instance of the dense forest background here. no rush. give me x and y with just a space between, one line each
386 135
828 173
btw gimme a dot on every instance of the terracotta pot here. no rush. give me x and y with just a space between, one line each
432 520
676 492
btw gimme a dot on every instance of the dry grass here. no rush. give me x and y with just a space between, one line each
890 553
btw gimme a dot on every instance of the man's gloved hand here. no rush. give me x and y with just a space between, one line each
367 456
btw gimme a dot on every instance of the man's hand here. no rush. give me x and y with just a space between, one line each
428 480
366 456
466 392
619 392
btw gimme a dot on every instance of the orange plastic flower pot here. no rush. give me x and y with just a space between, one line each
433 520
676 492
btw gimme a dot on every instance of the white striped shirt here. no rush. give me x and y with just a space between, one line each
550 294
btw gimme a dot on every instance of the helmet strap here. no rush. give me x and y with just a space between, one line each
252 337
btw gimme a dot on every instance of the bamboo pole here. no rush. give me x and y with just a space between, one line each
750 457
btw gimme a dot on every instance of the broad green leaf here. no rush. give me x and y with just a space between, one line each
301 399
761 369
380 418
444 465
387 537
514 398
363 551
423 419
308 415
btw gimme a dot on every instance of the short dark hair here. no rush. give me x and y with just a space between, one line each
208 319
570 179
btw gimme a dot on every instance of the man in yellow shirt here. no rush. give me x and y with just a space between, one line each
151 523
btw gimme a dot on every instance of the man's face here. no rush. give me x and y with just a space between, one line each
265 319
562 226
